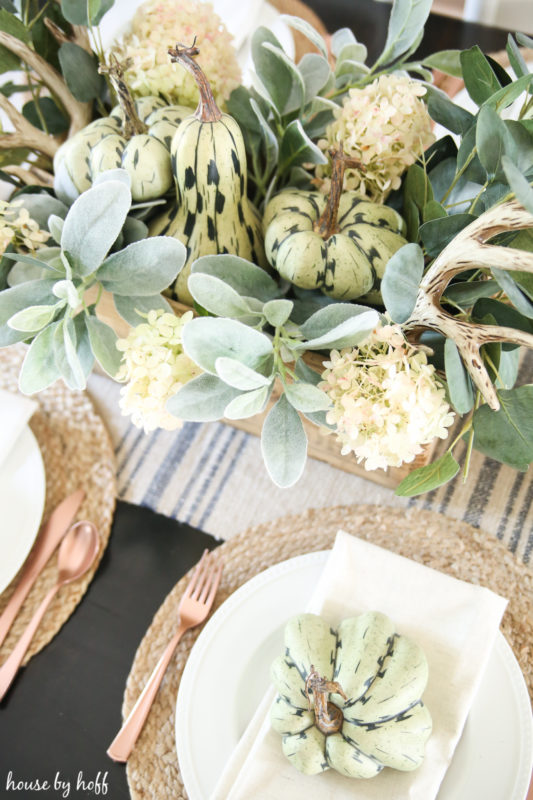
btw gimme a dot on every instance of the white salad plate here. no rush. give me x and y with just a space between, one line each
227 675
22 494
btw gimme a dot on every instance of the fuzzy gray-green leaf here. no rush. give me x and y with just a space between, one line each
216 296
284 444
103 344
307 397
143 268
238 375
39 369
248 404
205 339
204 399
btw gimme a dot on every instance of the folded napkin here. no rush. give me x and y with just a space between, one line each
15 411
454 622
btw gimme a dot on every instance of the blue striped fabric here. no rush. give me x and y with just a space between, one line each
212 476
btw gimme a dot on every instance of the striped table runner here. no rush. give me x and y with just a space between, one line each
212 476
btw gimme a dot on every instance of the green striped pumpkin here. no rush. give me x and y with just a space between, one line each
212 213
372 680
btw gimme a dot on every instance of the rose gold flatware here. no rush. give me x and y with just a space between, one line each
77 552
193 609
47 540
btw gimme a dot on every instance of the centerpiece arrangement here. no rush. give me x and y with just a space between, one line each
327 246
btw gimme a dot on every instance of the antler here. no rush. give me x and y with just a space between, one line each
468 250
79 113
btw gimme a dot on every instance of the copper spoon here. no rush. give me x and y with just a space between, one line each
77 552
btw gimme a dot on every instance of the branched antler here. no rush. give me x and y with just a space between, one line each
25 134
468 250
33 176
79 113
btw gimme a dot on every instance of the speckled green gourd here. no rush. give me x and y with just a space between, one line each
136 137
338 243
382 674
212 214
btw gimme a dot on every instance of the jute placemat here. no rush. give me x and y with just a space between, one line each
432 539
77 453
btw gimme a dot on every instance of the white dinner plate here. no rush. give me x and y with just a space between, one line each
22 493
227 675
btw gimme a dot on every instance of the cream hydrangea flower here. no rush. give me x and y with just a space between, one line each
18 228
386 127
155 368
387 401
159 24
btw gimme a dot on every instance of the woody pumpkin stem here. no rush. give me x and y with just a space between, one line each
328 716
207 109
326 225
132 124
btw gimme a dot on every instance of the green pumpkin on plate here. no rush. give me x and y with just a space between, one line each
350 700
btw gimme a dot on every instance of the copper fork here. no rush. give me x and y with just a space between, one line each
193 609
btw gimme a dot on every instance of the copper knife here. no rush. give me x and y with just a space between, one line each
48 539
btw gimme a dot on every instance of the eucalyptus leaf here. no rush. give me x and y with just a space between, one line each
447 61
460 389
133 308
45 108
103 344
85 12
401 281
203 399
93 224
508 368
308 31
297 148
515 294
438 233
238 375
480 80
39 369
205 339
248 404
516 59
246 278
524 40
425 479
507 434
503 313
465 293
216 296
143 268
277 312
444 111
10 23
307 397
519 185
490 140
284 444
80 70
508 94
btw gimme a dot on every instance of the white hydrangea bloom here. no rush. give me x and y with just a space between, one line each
385 126
387 401
155 368
158 25
18 228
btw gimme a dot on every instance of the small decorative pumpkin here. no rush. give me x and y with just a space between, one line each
349 699
213 214
339 244
136 137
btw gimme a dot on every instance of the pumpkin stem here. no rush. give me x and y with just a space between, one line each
326 225
207 110
328 716
132 124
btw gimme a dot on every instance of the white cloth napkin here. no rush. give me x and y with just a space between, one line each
454 622
15 411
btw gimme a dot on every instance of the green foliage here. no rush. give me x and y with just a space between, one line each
425 479
400 283
50 312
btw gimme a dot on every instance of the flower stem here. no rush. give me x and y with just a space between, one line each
326 225
132 124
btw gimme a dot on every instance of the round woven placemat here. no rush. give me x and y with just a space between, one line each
77 453
439 542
